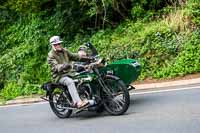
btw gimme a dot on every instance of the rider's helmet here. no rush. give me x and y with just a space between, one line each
55 40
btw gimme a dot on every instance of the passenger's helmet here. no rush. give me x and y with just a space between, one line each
83 48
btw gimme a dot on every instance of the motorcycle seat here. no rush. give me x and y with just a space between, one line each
49 85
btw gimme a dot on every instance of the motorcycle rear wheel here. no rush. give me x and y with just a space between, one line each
58 103
116 98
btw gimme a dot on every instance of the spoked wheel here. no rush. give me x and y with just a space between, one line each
116 96
59 103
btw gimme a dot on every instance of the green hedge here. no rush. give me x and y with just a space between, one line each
165 50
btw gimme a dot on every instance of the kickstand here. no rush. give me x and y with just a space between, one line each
44 98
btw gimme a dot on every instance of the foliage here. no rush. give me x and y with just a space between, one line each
194 11
157 45
164 33
23 62
187 61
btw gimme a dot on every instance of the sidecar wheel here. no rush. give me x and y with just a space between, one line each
117 98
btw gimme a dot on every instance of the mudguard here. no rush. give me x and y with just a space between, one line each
112 76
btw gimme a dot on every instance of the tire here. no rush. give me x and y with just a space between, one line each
116 88
100 109
59 112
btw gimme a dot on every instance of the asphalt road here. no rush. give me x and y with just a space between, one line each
150 111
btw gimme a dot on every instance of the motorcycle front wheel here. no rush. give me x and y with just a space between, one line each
116 96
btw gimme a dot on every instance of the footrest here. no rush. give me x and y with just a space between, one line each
81 109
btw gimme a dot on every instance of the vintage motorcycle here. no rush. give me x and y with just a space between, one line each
107 84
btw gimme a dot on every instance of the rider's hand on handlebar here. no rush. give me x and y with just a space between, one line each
78 67
67 66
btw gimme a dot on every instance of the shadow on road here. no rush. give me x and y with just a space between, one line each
136 103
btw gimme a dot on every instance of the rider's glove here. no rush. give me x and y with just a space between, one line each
78 67
67 66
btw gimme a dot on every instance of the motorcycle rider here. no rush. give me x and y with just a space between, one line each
60 61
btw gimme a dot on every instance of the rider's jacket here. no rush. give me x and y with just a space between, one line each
56 60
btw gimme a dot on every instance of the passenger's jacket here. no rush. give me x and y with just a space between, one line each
56 60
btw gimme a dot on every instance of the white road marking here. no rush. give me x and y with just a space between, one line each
25 104
168 90
134 93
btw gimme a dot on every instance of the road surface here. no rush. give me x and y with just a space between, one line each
169 110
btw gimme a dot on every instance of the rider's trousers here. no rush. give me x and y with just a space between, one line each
71 87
